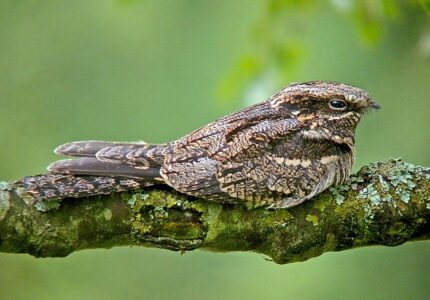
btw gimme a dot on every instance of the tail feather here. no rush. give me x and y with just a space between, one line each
141 155
88 148
51 186
98 167
138 154
93 166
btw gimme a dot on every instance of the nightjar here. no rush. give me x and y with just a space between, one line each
277 153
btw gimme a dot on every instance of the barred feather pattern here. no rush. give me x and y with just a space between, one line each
51 186
277 153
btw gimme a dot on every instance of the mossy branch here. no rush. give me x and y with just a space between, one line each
384 204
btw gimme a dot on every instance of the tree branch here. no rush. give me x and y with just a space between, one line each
384 204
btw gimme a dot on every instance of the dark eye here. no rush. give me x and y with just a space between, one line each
337 104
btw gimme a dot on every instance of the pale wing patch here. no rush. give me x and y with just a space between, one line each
295 162
325 160
290 162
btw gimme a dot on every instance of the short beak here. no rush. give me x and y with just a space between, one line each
375 105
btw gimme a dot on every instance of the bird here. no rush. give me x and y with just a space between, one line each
275 154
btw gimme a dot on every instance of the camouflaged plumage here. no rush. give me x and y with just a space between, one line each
277 153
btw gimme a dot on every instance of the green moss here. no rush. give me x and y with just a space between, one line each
162 198
19 228
398 229
238 227
4 203
132 200
161 216
212 218
313 219
330 242
321 205
47 205
107 214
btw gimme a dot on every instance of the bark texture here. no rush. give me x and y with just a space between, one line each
383 204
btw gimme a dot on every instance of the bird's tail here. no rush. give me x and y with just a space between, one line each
51 187
97 167
135 160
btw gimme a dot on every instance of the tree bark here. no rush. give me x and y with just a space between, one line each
384 204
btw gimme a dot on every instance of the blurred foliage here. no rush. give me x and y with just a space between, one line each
279 47
426 5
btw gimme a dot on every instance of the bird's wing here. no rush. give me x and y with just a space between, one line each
250 167
253 139
270 163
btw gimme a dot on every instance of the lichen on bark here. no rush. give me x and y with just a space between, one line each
384 203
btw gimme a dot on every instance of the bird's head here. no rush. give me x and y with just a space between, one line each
327 110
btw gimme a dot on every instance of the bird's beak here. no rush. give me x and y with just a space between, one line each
374 105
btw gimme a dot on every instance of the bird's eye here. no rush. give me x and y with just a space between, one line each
337 104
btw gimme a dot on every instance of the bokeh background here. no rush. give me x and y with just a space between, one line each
155 70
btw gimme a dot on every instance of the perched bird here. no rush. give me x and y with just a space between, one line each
277 153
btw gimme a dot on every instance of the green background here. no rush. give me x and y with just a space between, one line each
155 70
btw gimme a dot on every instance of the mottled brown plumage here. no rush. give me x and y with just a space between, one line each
277 153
